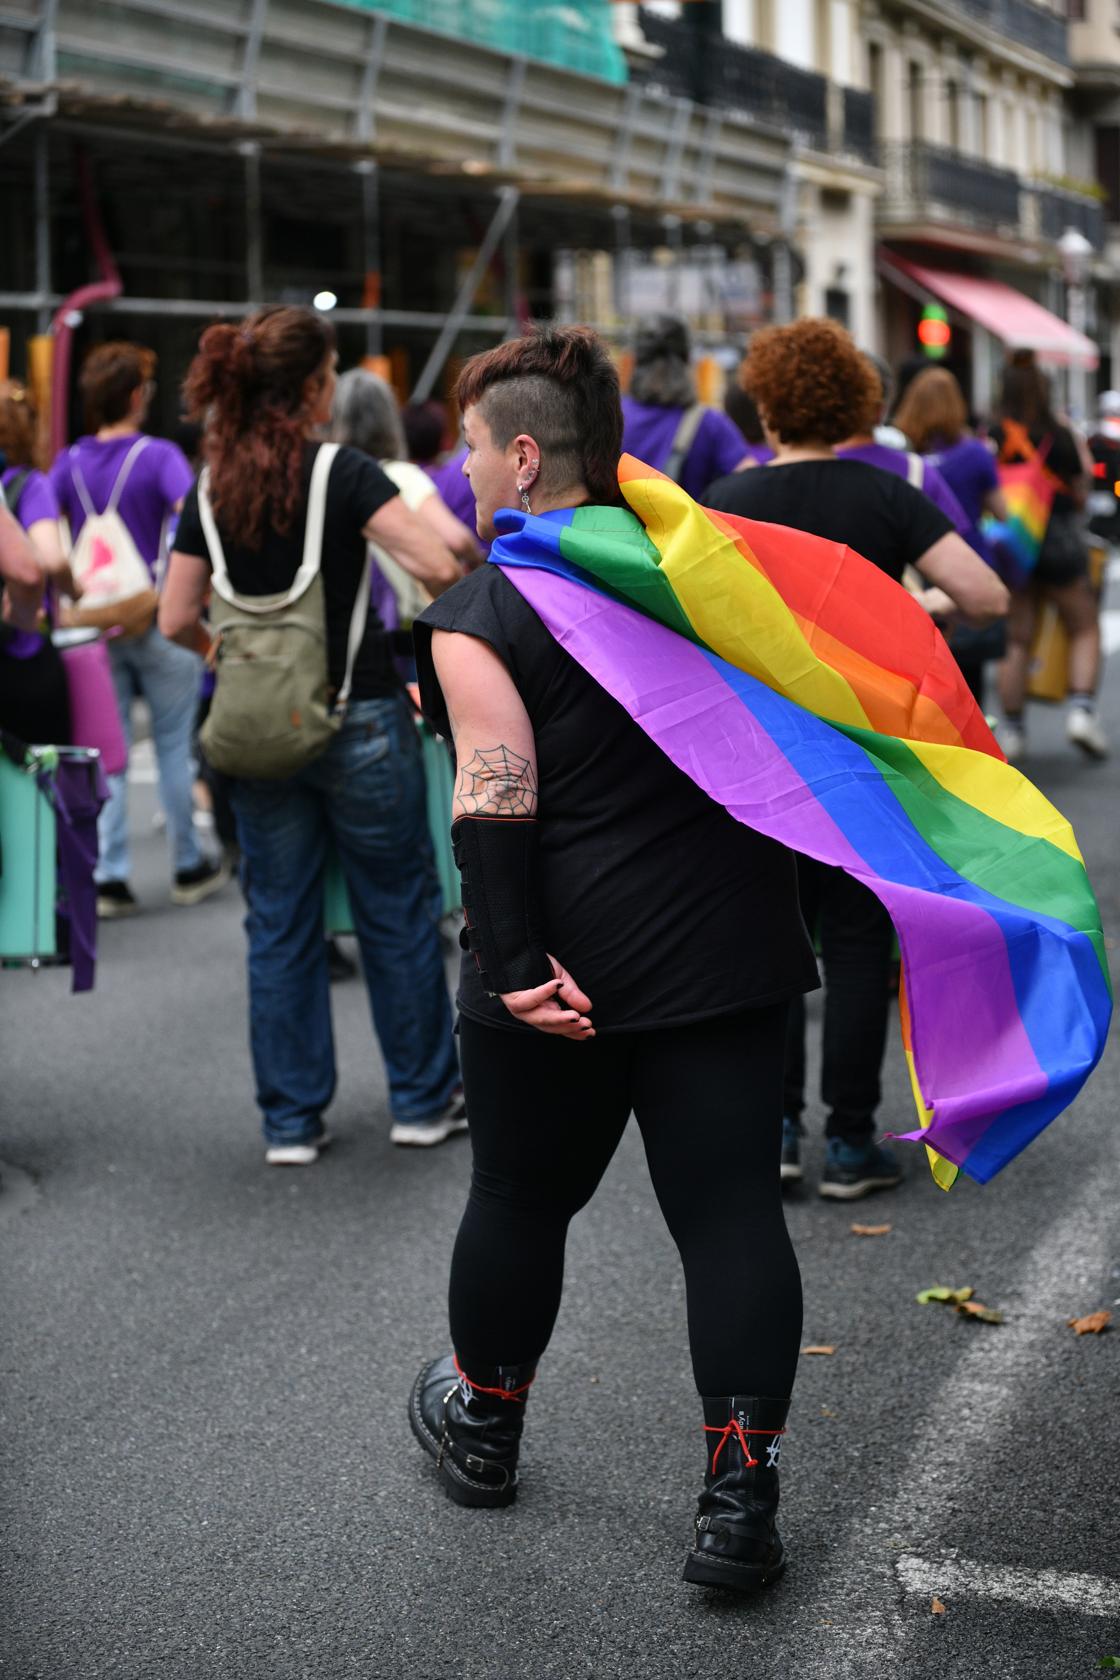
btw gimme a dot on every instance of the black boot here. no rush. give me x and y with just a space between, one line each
737 1544
472 1427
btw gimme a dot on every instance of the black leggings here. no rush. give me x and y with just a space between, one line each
546 1116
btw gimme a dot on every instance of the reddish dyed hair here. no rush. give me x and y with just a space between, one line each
110 374
248 386
558 385
17 424
811 383
933 410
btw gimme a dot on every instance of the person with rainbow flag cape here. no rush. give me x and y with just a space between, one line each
652 707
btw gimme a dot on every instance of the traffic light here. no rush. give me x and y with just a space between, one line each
934 331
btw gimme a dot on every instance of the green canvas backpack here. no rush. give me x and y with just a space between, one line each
273 710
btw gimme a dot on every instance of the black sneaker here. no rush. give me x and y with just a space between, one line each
114 898
852 1170
791 1151
191 886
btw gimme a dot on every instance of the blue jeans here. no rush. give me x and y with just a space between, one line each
366 794
167 677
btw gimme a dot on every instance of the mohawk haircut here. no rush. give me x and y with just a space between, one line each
560 386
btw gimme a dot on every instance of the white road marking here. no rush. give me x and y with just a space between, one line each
1037 1589
976 1410
1110 631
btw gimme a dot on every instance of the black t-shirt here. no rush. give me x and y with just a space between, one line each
662 907
357 487
875 512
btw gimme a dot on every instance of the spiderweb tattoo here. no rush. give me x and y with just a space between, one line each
497 783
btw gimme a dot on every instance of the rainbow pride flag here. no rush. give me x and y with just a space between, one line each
1028 489
808 693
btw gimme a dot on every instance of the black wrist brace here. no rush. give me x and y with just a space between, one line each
499 861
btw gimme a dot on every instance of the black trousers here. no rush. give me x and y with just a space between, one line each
546 1116
855 936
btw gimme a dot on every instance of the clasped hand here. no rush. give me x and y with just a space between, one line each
558 1008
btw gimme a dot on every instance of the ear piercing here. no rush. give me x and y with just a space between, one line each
524 489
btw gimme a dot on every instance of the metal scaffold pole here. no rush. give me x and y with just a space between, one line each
460 309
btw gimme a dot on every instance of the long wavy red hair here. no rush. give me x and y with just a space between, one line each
252 387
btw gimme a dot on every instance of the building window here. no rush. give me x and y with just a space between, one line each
915 95
953 115
1108 168
1075 10
823 31
875 82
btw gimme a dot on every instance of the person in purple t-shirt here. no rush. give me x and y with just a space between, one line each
424 426
116 385
934 418
922 474
662 393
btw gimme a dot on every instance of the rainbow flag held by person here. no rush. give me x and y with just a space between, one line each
809 694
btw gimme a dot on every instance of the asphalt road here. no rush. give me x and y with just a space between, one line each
207 1470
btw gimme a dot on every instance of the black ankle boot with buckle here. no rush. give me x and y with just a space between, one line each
472 1427
737 1544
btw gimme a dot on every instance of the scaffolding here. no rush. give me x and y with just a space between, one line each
348 140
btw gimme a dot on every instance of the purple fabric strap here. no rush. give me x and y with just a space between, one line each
76 789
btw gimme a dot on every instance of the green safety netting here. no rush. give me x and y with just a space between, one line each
575 34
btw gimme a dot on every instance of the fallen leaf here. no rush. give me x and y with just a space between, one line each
870 1230
974 1309
820 1349
1092 1324
950 1296
826 1413
937 1608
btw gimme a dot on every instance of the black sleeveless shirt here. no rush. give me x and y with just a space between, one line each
660 905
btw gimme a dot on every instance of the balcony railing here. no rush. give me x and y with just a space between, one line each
1059 210
708 68
934 181
1027 24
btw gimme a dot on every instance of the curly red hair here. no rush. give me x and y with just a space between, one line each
810 382
248 385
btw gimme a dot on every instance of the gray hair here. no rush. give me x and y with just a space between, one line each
365 415
884 373
662 374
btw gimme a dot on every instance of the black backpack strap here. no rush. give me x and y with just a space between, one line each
14 489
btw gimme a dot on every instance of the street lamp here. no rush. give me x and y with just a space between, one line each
1076 254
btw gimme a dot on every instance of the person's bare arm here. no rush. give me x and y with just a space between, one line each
970 583
995 503
21 571
46 540
414 545
496 778
186 588
449 528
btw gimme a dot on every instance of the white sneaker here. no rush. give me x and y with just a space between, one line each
421 1134
1083 730
1012 739
296 1154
